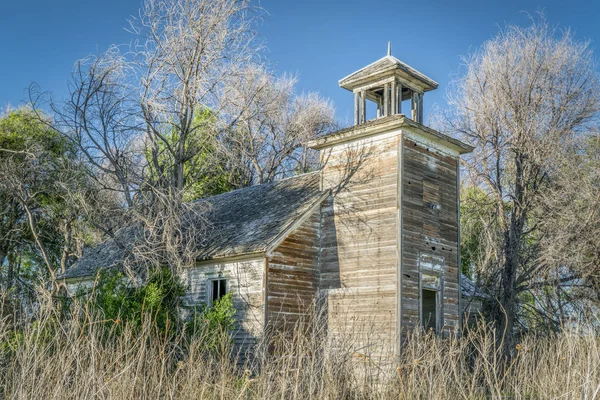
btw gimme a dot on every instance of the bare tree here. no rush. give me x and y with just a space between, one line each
525 97
190 50
271 126
188 99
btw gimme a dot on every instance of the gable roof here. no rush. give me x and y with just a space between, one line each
248 220
243 221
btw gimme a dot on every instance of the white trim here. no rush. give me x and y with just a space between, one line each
385 125
437 145
254 256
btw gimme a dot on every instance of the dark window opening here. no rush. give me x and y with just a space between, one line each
429 310
218 290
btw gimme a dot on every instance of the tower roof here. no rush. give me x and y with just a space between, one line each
387 67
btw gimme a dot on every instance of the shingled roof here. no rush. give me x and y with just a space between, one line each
468 288
243 221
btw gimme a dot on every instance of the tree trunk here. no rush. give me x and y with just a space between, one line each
506 317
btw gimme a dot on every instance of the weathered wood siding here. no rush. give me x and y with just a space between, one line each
430 227
293 275
245 283
359 261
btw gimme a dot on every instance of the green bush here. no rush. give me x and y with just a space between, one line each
214 323
115 303
119 302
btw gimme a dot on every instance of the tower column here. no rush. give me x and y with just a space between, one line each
386 99
398 95
417 107
394 99
356 108
363 107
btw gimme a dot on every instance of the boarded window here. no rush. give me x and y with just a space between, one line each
431 262
429 309
218 289
430 281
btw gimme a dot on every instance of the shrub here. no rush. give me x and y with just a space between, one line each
119 302
214 323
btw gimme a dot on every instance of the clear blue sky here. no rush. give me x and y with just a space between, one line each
320 40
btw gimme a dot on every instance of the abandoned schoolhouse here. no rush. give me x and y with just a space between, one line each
374 234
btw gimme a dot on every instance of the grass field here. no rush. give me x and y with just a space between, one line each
82 358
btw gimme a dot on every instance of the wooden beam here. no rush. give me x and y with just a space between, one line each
356 108
458 261
399 98
420 108
417 107
386 99
394 99
399 232
363 107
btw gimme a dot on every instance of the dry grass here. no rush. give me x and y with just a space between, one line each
81 359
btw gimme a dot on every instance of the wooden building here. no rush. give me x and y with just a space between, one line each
373 237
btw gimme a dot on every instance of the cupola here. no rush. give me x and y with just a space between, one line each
388 82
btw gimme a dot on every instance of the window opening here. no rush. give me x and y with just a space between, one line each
429 309
218 290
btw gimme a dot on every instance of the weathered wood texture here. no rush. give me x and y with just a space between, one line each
293 275
359 241
430 228
245 283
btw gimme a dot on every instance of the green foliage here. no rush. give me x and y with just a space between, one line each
120 303
205 170
22 131
33 162
116 303
214 323
39 332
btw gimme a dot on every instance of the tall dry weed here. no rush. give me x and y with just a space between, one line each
79 357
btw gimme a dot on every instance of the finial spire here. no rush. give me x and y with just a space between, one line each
389 48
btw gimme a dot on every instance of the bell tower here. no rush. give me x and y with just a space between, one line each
389 252
388 82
